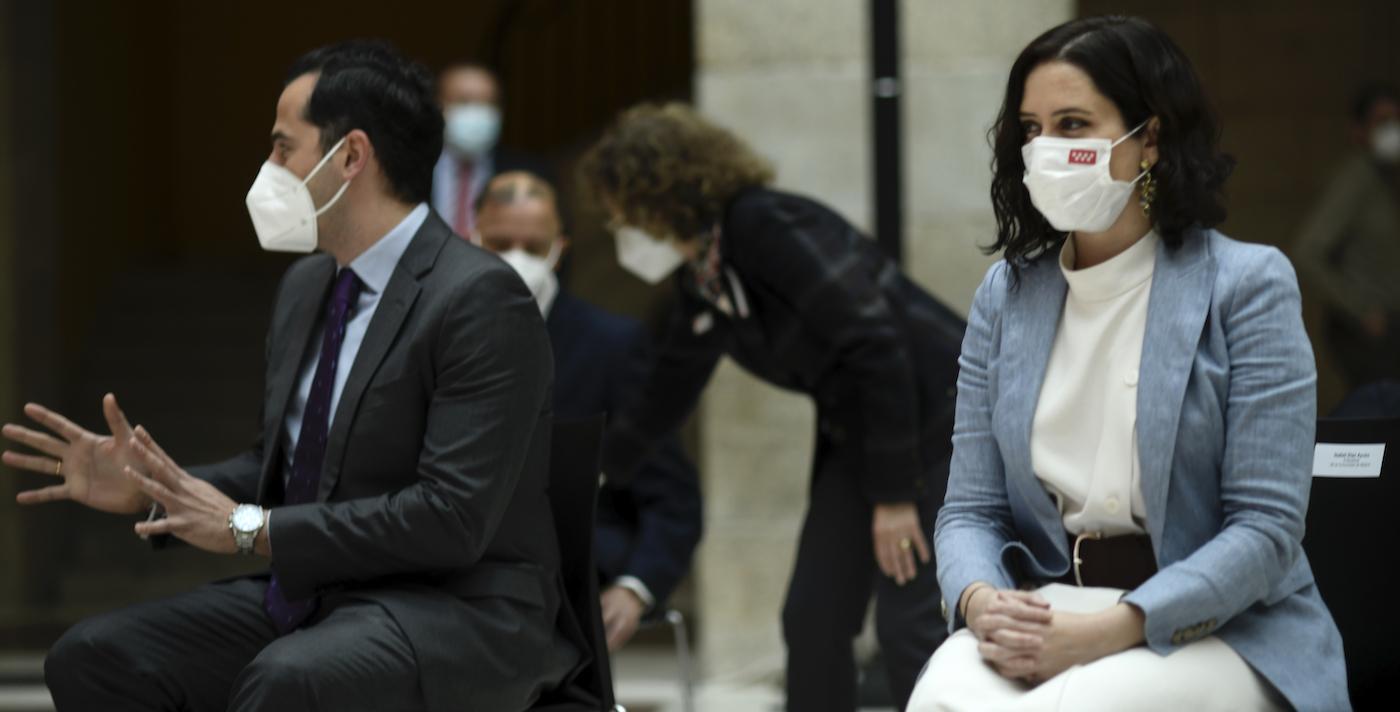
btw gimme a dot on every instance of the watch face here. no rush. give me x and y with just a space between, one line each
247 518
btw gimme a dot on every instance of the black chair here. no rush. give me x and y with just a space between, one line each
573 494
1350 528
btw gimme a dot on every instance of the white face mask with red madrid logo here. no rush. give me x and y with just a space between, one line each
1070 185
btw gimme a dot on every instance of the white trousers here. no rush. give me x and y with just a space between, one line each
1203 676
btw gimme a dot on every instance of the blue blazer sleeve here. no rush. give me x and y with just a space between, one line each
975 522
665 491
1270 421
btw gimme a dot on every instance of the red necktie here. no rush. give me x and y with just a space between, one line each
465 218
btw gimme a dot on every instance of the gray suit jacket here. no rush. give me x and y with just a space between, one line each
433 499
1226 413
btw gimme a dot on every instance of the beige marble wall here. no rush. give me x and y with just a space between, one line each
791 76
956 55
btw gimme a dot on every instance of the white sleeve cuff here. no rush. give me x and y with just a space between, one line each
635 585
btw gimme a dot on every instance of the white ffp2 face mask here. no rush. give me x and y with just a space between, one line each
1385 142
284 216
471 130
537 273
645 256
1070 185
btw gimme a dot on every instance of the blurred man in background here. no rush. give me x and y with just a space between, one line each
1349 247
648 530
470 95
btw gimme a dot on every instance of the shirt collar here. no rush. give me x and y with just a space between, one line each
376 265
1115 276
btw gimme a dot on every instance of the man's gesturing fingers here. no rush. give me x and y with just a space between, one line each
47 444
153 489
43 495
155 528
116 419
55 422
161 468
33 463
144 437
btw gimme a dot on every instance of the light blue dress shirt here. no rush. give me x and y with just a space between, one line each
374 269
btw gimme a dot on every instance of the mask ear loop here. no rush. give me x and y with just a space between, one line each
1128 135
1125 137
334 198
324 160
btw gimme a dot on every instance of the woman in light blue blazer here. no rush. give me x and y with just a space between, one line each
1135 414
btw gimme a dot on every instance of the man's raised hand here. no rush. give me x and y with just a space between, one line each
91 466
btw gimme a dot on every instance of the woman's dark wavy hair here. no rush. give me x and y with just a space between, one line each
1144 74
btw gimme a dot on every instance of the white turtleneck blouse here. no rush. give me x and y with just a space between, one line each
1084 436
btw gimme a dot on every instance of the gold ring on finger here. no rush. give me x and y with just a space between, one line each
905 543
58 468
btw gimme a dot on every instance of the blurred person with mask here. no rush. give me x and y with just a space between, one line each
798 297
470 95
647 531
397 488
1349 246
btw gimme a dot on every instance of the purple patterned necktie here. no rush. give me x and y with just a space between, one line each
310 452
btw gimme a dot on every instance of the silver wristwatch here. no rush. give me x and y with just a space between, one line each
245 522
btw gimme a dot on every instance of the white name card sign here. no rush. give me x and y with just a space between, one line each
1348 459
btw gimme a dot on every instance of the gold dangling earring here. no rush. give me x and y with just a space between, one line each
1147 189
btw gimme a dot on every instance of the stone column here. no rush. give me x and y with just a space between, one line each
792 78
956 55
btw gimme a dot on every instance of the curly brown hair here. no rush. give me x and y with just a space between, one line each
670 171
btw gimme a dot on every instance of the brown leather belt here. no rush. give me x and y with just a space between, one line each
1110 562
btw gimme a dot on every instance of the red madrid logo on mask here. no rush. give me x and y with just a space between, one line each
1083 157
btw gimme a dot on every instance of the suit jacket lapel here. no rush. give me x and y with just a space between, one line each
1032 317
394 306
296 326
1176 315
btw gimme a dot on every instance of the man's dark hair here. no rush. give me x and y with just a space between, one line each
1144 74
369 85
1369 96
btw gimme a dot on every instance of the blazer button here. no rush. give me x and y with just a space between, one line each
1131 380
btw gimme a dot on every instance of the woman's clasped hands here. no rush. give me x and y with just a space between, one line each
1023 639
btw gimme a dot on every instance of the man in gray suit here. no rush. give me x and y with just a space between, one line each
398 485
